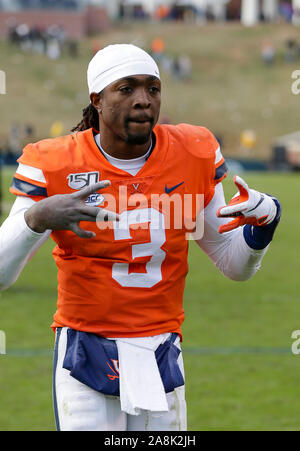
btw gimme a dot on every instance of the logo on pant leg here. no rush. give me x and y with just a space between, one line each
114 367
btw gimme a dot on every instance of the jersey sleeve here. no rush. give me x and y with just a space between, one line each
203 145
29 179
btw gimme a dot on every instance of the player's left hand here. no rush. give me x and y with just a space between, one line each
247 207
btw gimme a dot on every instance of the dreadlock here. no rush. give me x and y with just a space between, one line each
90 119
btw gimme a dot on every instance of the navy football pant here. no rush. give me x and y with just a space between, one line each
78 407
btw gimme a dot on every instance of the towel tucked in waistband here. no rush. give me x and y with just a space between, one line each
139 370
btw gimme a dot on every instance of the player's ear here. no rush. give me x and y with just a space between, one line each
96 100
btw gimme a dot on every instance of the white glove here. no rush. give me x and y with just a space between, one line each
247 207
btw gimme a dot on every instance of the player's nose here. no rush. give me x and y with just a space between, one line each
141 99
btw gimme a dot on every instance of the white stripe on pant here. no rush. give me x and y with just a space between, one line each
80 408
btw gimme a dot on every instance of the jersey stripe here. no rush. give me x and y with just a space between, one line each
221 171
28 188
31 173
219 156
33 182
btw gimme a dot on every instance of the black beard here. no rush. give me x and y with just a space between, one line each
136 139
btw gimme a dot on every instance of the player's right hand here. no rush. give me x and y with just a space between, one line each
66 211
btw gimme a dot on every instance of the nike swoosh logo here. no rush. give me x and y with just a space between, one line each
169 190
258 204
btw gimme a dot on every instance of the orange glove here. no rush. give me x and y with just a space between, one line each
247 207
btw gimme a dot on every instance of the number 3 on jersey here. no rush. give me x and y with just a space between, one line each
153 275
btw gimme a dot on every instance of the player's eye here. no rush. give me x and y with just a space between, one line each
126 89
154 90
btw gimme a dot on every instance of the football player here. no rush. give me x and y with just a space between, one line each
110 195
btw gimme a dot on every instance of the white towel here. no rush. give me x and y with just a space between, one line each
141 387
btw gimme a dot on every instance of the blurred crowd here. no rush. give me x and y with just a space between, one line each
49 4
173 12
190 11
289 53
18 136
51 40
179 67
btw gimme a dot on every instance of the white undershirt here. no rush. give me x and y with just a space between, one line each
132 166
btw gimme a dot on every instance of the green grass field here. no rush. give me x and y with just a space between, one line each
240 371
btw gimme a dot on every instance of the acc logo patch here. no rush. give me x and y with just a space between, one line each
94 200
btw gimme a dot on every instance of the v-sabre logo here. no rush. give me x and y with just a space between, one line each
114 367
84 179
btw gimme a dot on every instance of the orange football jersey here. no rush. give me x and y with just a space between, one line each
129 280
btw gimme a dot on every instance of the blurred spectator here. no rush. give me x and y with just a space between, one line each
157 48
286 10
209 14
248 140
176 12
167 63
233 10
291 51
73 48
14 138
121 10
53 49
29 131
162 12
13 35
56 129
139 12
49 41
185 67
9 157
23 36
49 4
182 68
38 40
201 15
268 53
11 147
176 69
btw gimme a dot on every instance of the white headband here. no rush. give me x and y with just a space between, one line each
118 61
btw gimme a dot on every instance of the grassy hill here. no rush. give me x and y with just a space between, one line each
230 90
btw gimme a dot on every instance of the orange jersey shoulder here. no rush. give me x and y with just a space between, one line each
199 151
42 165
50 154
196 140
